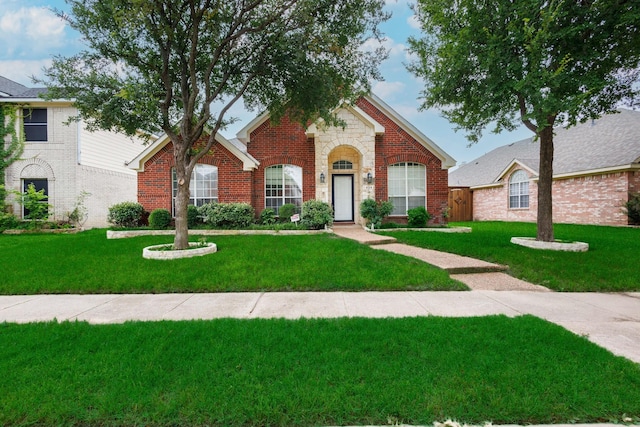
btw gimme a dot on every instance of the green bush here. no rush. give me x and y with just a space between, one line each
35 202
160 219
8 221
193 217
267 216
374 212
316 214
227 215
632 208
286 211
125 214
418 217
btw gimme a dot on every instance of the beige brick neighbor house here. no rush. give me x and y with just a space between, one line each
65 159
596 165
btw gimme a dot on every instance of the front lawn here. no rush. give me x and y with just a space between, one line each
89 263
612 263
305 372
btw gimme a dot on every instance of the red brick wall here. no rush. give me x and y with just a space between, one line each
282 143
396 145
154 184
594 199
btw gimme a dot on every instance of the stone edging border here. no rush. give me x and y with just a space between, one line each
150 253
124 234
531 242
433 229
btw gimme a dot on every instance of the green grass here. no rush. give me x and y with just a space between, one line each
310 372
612 263
89 263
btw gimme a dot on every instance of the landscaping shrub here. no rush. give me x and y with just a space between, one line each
8 221
316 214
125 214
374 212
418 217
193 217
35 203
632 208
267 216
227 215
160 219
286 211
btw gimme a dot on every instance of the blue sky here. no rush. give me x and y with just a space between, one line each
30 34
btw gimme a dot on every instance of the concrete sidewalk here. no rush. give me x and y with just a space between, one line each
609 320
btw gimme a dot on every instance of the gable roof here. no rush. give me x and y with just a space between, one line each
236 148
609 143
447 161
11 89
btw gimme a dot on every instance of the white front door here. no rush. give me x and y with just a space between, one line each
343 197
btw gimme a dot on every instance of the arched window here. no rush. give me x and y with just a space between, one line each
203 187
342 165
407 186
519 190
282 184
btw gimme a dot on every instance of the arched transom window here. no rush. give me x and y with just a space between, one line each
519 190
407 186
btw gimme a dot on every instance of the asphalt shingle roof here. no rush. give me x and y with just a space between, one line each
613 140
11 89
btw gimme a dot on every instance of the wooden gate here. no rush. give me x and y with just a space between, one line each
460 204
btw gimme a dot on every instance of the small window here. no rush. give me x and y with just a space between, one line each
35 124
342 165
407 186
283 184
519 190
203 187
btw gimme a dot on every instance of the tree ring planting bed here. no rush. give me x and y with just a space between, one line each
165 252
531 242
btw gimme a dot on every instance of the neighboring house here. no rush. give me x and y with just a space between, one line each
65 159
596 165
377 155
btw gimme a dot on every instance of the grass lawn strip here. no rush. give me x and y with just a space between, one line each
89 263
310 372
610 265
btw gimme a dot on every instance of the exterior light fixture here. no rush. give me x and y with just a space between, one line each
321 177
369 178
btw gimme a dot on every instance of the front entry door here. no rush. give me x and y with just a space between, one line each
343 197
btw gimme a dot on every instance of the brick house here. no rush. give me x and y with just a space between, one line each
378 154
596 165
65 159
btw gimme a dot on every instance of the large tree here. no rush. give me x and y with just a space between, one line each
496 63
179 65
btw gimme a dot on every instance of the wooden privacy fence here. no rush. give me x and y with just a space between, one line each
460 204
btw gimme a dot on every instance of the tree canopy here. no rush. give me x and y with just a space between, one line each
498 63
162 65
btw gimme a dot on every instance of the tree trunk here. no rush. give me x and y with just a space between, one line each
545 181
183 176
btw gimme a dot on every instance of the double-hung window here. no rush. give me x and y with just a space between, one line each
519 190
35 124
282 184
203 187
407 186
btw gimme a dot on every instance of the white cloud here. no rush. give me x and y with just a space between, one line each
413 22
29 32
387 90
21 71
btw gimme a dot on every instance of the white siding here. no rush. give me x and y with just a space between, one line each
107 150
